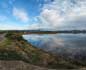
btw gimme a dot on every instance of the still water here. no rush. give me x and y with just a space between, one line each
71 44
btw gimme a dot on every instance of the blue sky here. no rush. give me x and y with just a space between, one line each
42 14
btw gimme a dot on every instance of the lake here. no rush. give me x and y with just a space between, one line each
69 45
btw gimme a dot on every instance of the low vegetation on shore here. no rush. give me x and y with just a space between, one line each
14 47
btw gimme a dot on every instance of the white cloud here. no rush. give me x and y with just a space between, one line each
20 14
52 17
59 12
55 15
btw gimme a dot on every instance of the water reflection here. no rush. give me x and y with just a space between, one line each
71 44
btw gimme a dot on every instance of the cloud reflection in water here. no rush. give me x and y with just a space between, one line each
72 46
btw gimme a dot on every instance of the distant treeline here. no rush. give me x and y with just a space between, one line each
44 31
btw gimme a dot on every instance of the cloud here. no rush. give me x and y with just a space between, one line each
52 17
20 14
56 14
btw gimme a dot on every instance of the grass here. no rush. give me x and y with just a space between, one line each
20 49
9 55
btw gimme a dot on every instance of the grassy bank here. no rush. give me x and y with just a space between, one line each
14 47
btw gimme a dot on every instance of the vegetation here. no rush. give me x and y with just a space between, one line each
14 47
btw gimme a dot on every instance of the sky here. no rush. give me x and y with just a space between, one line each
42 14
